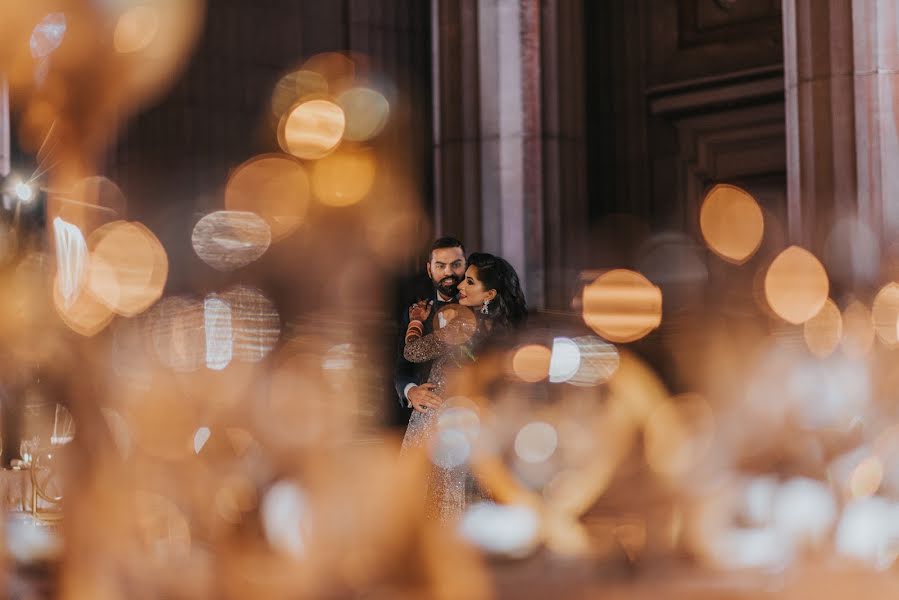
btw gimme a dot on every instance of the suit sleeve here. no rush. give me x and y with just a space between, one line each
405 371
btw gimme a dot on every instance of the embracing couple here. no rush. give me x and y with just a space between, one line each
474 301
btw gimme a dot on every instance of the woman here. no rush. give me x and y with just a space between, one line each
492 289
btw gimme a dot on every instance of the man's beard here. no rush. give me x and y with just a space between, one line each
448 286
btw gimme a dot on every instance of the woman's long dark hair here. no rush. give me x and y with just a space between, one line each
509 309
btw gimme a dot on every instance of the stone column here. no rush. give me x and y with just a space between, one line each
511 165
841 66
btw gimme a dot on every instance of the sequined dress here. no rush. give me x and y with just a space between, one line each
449 484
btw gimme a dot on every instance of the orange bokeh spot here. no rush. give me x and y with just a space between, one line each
128 267
858 330
531 363
732 223
796 285
273 186
622 306
885 313
311 129
85 315
866 478
823 332
344 178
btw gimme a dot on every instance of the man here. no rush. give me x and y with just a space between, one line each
446 268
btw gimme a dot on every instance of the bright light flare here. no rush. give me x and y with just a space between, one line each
622 306
227 240
273 186
796 285
732 223
312 129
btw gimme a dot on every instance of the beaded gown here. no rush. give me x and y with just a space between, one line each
449 484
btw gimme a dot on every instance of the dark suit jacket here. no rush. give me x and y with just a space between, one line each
408 372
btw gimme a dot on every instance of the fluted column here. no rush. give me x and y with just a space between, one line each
841 67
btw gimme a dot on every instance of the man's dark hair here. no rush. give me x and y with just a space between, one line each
445 242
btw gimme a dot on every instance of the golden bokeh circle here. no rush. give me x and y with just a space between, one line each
823 332
885 313
312 129
343 178
796 285
227 240
135 29
858 330
531 363
732 223
128 267
622 306
275 187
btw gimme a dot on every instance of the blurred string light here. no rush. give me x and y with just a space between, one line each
858 330
273 186
885 313
284 512
343 178
796 285
536 442
219 333
530 363
823 332
47 35
622 306
732 223
565 360
71 260
312 129
128 267
228 240
509 531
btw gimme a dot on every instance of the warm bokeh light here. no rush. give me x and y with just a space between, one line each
312 129
71 260
796 285
598 361
217 323
177 333
367 112
135 29
866 477
338 69
343 178
622 306
227 240
255 323
885 313
531 363
47 35
536 442
84 314
858 330
824 331
565 360
296 87
163 529
732 223
128 267
273 186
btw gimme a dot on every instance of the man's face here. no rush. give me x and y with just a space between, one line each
446 269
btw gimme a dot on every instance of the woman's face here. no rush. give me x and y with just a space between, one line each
471 290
